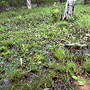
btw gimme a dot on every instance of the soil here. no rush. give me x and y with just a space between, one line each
85 86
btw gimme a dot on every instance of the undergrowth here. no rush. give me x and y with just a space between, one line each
32 55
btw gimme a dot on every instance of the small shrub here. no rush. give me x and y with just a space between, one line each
7 43
57 12
78 79
87 65
62 23
61 67
41 82
54 14
32 66
3 48
71 19
15 75
2 68
60 54
4 4
71 67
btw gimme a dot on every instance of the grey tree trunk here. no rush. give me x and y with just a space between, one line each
69 8
38 2
60 1
29 4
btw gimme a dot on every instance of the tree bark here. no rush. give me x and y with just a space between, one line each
29 4
38 2
69 8
85 2
60 1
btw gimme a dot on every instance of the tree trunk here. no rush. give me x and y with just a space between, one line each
69 8
29 4
38 2
85 2
60 1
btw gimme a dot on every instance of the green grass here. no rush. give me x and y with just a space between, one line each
34 37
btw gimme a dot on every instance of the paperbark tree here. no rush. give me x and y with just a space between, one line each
69 8
29 4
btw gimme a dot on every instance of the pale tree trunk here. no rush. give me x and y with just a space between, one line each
29 4
85 1
69 8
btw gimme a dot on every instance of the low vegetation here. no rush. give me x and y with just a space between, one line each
32 52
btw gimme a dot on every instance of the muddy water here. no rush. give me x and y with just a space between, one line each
85 86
